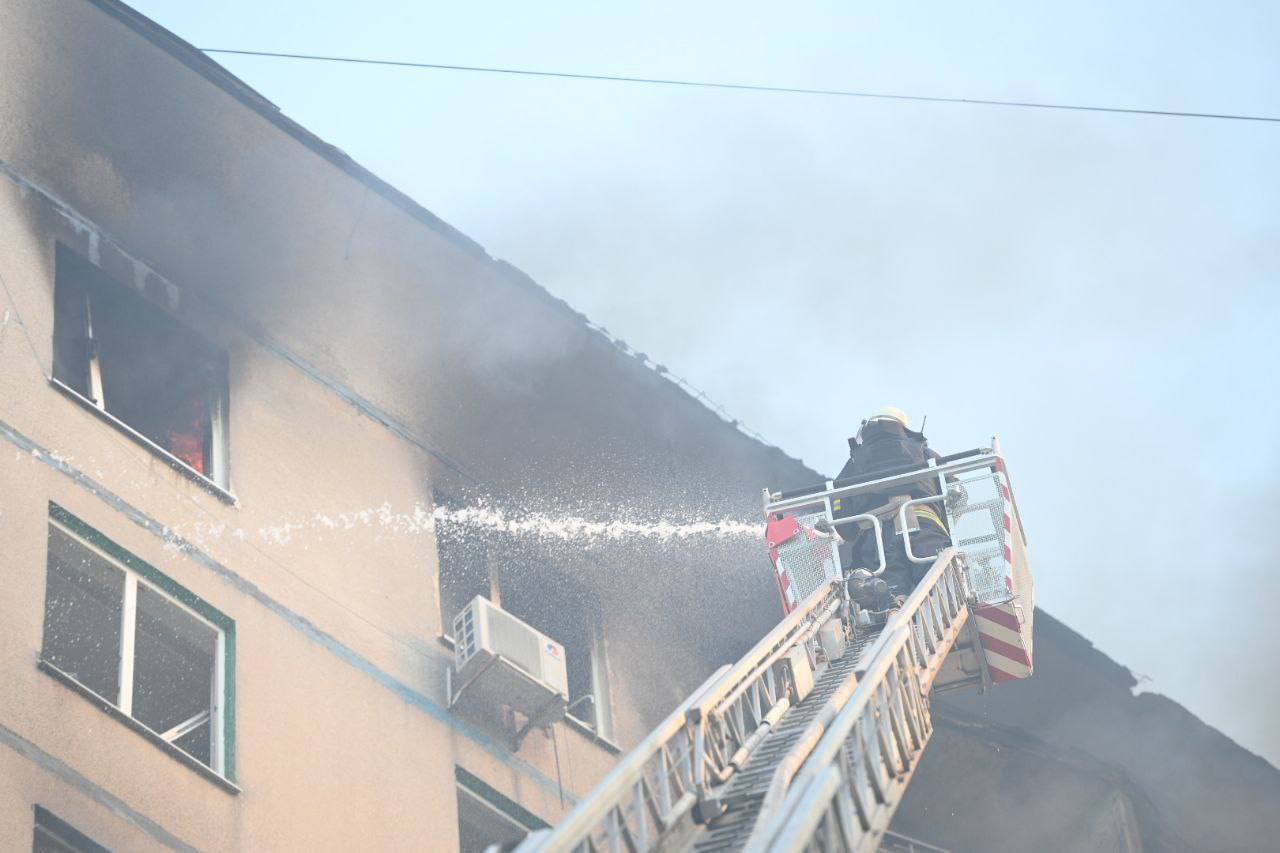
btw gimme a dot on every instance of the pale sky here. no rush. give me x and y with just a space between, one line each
1100 290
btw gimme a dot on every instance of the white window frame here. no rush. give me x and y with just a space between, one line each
601 720
123 702
600 684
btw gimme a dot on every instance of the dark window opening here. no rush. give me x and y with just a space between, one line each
537 595
54 835
486 817
146 654
480 825
464 566
523 579
138 363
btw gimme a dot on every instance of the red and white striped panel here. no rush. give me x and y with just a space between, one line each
1005 641
1005 634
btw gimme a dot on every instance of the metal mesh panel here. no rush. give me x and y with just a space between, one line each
987 573
975 511
809 563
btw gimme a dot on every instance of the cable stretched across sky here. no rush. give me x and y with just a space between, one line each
744 87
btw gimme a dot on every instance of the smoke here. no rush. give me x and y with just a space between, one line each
1097 293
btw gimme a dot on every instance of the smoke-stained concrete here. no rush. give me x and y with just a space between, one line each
1191 787
1111 275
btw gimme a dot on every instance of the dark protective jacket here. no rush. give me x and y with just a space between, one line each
886 445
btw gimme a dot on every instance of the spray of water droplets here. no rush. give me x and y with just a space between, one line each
544 527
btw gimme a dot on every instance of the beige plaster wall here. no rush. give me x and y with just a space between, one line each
318 737
326 287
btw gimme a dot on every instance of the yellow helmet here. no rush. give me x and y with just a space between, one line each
889 413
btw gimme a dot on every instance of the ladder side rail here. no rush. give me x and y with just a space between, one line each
848 802
875 741
739 721
605 811
636 791
782 639
734 717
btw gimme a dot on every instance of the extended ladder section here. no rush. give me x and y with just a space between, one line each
855 777
810 740
658 791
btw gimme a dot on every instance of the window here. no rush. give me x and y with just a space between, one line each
486 818
134 638
122 353
53 835
522 579
565 611
464 566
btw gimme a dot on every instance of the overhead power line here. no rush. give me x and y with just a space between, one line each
743 87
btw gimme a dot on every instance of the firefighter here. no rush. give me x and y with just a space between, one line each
885 444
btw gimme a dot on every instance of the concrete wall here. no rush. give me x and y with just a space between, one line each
1191 787
340 677
367 344
377 358
983 788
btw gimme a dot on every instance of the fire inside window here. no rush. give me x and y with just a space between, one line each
133 360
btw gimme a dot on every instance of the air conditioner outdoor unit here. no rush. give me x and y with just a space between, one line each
499 660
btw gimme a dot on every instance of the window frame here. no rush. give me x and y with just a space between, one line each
479 572
218 480
601 721
222 694
63 832
493 802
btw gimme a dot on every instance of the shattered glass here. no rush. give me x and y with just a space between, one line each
83 597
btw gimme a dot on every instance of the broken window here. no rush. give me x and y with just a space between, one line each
117 627
135 361
54 835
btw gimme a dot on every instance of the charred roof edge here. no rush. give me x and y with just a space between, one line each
195 59
199 62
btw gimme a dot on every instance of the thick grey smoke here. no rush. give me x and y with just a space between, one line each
1097 289
1098 295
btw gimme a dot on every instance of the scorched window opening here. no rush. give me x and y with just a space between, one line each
135 361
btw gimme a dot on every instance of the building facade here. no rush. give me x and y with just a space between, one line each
238 374
265 424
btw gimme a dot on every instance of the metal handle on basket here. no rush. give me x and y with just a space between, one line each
875 523
906 532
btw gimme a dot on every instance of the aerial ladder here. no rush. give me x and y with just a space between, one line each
810 740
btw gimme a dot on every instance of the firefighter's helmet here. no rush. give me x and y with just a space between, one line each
889 413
